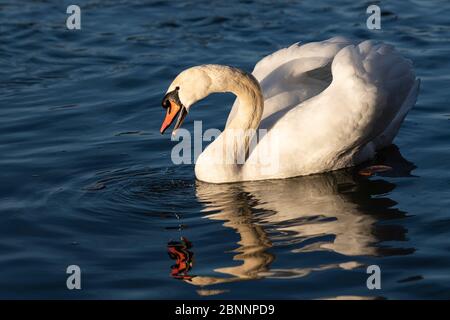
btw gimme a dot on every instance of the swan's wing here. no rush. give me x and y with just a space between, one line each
379 85
373 88
322 49
294 74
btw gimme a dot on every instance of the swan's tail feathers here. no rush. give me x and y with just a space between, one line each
386 138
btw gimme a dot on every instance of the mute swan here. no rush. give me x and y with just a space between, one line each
318 107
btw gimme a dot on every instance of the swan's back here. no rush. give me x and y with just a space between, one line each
332 104
327 105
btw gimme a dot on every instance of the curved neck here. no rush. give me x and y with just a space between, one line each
242 125
246 88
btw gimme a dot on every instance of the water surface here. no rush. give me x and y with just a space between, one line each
87 179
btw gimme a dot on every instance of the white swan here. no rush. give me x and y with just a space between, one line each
324 105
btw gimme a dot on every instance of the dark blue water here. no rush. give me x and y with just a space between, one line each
87 179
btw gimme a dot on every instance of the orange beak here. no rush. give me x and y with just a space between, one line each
172 112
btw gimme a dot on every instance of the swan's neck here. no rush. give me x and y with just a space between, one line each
241 129
247 90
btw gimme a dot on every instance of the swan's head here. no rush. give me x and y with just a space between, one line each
174 107
189 86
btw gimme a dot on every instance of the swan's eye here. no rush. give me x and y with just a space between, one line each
166 104
177 88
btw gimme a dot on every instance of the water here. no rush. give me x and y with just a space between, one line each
87 179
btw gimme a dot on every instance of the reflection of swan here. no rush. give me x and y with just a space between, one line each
329 212
323 106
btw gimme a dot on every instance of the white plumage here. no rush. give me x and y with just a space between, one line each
326 105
